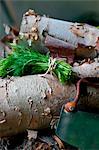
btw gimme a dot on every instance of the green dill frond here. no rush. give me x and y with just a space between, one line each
26 61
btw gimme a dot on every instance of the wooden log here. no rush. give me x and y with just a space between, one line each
87 69
31 102
80 38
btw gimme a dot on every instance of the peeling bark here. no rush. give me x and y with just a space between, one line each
87 70
81 39
31 102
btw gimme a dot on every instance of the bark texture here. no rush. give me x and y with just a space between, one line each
81 39
87 70
31 102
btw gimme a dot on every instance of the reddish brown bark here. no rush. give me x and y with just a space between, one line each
66 39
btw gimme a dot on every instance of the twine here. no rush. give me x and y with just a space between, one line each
52 66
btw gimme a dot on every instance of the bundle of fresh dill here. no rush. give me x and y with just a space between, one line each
25 61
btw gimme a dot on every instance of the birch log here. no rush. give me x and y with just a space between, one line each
82 39
87 69
31 102
77 39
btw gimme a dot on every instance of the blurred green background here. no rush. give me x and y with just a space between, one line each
11 11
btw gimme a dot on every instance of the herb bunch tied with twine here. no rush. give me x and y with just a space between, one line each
26 61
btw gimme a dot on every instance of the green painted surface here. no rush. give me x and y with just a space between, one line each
80 129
